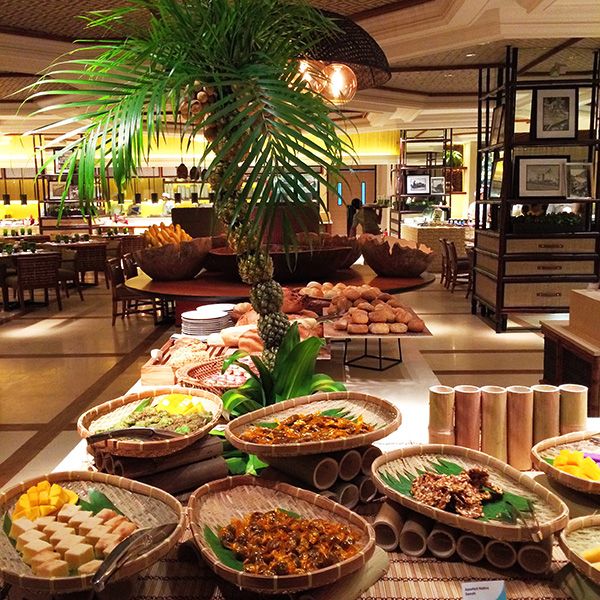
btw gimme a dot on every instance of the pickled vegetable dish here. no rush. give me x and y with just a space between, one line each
300 428
278 542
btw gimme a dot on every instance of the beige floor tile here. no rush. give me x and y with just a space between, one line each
512 361
480 379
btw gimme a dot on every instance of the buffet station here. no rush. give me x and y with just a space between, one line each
222 471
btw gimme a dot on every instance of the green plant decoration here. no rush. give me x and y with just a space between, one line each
292 375
225 69
453 158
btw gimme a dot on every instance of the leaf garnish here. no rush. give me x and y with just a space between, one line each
226 556
96 502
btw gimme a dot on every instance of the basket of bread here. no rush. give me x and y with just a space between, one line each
172 254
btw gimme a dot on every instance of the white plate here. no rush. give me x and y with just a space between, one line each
216 307
194 315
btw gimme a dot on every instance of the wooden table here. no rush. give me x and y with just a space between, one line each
209 288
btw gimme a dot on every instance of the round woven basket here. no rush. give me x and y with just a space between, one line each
195 374
581 534
109 414
216 503
580 440
144 505
379 412
550 512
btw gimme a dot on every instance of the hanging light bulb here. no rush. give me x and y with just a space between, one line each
311 71
340 83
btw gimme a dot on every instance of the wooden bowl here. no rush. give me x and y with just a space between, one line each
377 411
549 448
107 415
550 512
145 505
343 241
392 257
579 535
216 503
174 262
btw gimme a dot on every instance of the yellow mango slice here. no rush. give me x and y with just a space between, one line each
43 497
42 500
571 470
55 490
576 458
73 497
47 510
43 485
590 470
592 554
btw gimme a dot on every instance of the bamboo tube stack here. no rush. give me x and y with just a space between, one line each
399 529
505 422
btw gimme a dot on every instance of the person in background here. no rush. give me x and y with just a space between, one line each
352 210
367 217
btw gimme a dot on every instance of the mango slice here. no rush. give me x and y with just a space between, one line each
43 499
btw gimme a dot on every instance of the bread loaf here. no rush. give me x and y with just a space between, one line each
248 318
358 328
398 327
365 306
250 342
416 325
360 317
368 293
384 297
231 335
352 293
378 316
340 324
379 328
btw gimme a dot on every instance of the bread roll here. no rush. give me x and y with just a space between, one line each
308 313
352 293
313 284
340 324
248 318
239 309
398 327
250 342
231 335
304 291
368 293
292 301
416 325
406 317
341 304
379 328
377 302
378 316
389 313
385 296
339 286
358 328
329 293
395 303
315 292
365 306
360 316
327 286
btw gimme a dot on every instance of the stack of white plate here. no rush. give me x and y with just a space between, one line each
205 320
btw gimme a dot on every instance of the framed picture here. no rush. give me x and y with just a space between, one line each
417 184
541 177
497 128
554 114
579 180
496 180
438 185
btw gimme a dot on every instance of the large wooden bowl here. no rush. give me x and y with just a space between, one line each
379 412
549 448
581 534
393 257
343 241
106 416
145 505
216 503
550 512
174 262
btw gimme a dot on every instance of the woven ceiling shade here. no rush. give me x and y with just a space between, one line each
354 47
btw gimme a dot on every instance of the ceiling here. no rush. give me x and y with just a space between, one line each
429 44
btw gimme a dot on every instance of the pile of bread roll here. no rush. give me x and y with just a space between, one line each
367 310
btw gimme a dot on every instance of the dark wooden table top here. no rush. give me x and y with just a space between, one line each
219 288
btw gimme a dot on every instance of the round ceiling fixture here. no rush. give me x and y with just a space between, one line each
340 83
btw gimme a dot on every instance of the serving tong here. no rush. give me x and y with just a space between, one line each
138 432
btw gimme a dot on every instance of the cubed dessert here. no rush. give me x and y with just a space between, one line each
55 526
79 517
60 534
42 522
104 542
43 557
67 511
20 526
68 542
93 535
53 568
33 548
78 555
115 522
29 536
89 568
89 524
125 529
105 514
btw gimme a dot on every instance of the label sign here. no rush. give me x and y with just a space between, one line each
484 590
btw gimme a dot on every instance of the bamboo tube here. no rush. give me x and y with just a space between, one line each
441 541
441 415
349 463
109 464
573 407
520 426
470 548
546 412
330 494
189 476
208 447
369 455
388 524
366 488
467 403
413 537
317 470
347 493
500 554
99 460
536 558
493 421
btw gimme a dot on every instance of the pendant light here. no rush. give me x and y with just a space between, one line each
6 195
340 83
154 194
21 194
182 170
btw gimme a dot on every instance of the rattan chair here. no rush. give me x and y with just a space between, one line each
459 270
445 261
34 272
130 268
91 258
131 244
131 302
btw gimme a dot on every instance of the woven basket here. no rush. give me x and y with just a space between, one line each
109 414
194 375
550 512
581 534
376 411
580 440
216 503
146 506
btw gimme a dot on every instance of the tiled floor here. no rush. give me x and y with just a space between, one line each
54 365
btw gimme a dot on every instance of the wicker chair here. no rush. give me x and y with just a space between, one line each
459 270
91 258
131 244
445 262
130 268
132 302
34 272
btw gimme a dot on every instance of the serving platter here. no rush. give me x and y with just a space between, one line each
144 505
579 535
550 448
107 415
214 505
549 514
380 413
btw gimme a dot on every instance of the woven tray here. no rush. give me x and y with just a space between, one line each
580 440
194 375
377 411
550 512
146 506
579 535
216 503
108 414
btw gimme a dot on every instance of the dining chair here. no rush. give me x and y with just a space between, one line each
92 258
458 267
445 261
131 244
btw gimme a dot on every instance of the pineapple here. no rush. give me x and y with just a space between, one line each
255 267
266 297
272 328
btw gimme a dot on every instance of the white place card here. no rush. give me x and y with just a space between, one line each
484 590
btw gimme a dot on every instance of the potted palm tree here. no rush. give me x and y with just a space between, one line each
226 70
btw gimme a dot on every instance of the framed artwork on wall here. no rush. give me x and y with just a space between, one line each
417 184
578 180
438 185
496 179
497 128
541 177
554 114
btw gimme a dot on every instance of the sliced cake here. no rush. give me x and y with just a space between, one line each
78 555
29 536
89 568
53 568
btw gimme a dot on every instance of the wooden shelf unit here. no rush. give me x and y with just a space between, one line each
530 272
